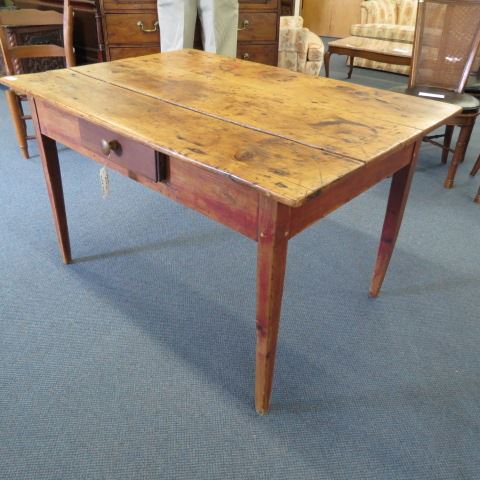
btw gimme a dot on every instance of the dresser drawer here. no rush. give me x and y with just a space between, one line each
258 4
109 5
266 54
254 26
132 28
117 53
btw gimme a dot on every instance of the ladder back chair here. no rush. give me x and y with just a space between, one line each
447 38
17 58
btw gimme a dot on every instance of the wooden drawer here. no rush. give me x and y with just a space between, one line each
87 138
257 27
129 154
123 29
258 53
117 53
109 5
258 4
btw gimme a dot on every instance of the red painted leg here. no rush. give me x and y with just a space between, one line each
271 262
397 200
53 179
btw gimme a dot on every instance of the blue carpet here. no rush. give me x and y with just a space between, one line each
137 361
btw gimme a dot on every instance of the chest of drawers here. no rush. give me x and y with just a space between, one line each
130 29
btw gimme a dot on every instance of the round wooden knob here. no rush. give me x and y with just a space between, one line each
109 146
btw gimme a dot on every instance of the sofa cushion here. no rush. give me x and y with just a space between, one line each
384 31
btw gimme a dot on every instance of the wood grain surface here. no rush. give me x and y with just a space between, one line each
359 122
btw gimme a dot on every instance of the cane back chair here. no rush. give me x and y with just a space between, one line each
18 58
447 37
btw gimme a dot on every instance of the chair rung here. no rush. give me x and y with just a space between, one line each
429 137
428 140
26 117
31 137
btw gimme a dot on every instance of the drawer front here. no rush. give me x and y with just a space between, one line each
126 29
117 53
125 152
258 4
257 27
266 54
113 5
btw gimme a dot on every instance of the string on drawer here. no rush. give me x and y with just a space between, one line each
104 181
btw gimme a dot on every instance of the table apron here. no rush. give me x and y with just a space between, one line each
390 58
345 189
217 196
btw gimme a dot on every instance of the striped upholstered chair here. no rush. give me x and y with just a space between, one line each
299 49
392 20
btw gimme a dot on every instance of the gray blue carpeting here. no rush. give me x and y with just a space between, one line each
137 361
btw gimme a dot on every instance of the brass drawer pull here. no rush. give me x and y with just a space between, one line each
147 30
110 146
245 25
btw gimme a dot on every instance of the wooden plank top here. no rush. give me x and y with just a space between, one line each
286 134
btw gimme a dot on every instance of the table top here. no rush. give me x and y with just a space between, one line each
365 44
286 134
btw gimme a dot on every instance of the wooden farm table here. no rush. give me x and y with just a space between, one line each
386 51
263 150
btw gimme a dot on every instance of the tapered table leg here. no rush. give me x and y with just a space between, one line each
53 179
399 190
271 263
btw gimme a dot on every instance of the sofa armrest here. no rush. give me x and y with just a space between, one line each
315 48
378 11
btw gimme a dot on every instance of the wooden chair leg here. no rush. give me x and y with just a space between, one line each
476 167
474 171
447 141
467 141
16 111
460 148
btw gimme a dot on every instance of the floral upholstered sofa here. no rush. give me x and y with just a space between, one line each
392 20
299 49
